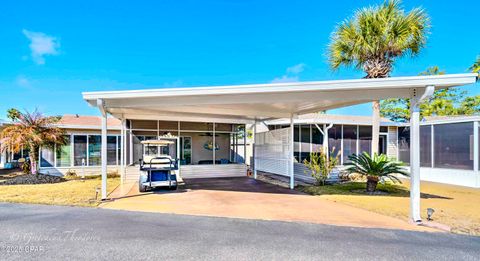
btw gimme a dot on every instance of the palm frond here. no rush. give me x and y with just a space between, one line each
377 165
378 35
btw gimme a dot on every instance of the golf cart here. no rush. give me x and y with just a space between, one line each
157 167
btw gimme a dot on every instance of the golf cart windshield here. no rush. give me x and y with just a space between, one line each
158 152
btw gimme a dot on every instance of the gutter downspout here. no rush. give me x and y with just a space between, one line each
325 137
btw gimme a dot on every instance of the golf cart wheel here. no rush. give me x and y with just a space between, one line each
142 188
173 187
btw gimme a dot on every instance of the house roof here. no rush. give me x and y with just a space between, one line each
87 122
262 101
332 118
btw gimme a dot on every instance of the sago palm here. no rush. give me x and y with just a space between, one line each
376 168
31 131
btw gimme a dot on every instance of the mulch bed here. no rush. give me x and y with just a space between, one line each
32 179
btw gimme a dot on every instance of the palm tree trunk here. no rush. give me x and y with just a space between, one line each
371 183
375 126
33 161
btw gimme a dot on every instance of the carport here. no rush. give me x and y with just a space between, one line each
257 103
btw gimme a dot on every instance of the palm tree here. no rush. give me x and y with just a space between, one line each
375 168
432 70
475 68
31 131
373 39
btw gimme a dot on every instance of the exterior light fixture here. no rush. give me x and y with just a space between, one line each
430 212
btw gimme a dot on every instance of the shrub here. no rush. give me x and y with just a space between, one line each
320 165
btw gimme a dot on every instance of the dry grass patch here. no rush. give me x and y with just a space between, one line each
70 192
455 206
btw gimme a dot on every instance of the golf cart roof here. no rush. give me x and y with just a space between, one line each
157 142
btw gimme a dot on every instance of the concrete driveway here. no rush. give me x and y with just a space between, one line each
252 199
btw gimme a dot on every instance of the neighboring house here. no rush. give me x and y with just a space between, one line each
82 152
449 146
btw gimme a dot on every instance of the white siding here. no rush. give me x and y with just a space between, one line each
392 146
272 151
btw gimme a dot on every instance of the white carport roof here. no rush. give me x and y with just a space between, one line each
244 103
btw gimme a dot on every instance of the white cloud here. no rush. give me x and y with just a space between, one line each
41 45
285 78
296 69
291 74
22 81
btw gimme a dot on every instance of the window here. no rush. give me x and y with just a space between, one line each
453 145
79 149
317 139
111 150
94 150
335 139
296 142
119 149
349 141
384 129
304 142
46 157
17 155
365 139
63 154
426 146
404 144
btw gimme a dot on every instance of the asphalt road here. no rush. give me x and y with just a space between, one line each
32 232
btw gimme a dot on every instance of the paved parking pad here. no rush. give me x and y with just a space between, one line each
252 199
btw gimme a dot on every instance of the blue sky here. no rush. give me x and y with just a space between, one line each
51 51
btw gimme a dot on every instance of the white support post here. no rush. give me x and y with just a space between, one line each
341 146
213 147
254 150
122 151
415 100
292 161
415 158
101 106
245 144
475 146
179 149
375 127
432 145
132 162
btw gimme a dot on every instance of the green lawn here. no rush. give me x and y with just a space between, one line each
354 188
70 192
455 206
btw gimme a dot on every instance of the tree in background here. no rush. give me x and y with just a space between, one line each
445 102
373 39
31 131
475 68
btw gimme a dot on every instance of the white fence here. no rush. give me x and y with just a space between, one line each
272 151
